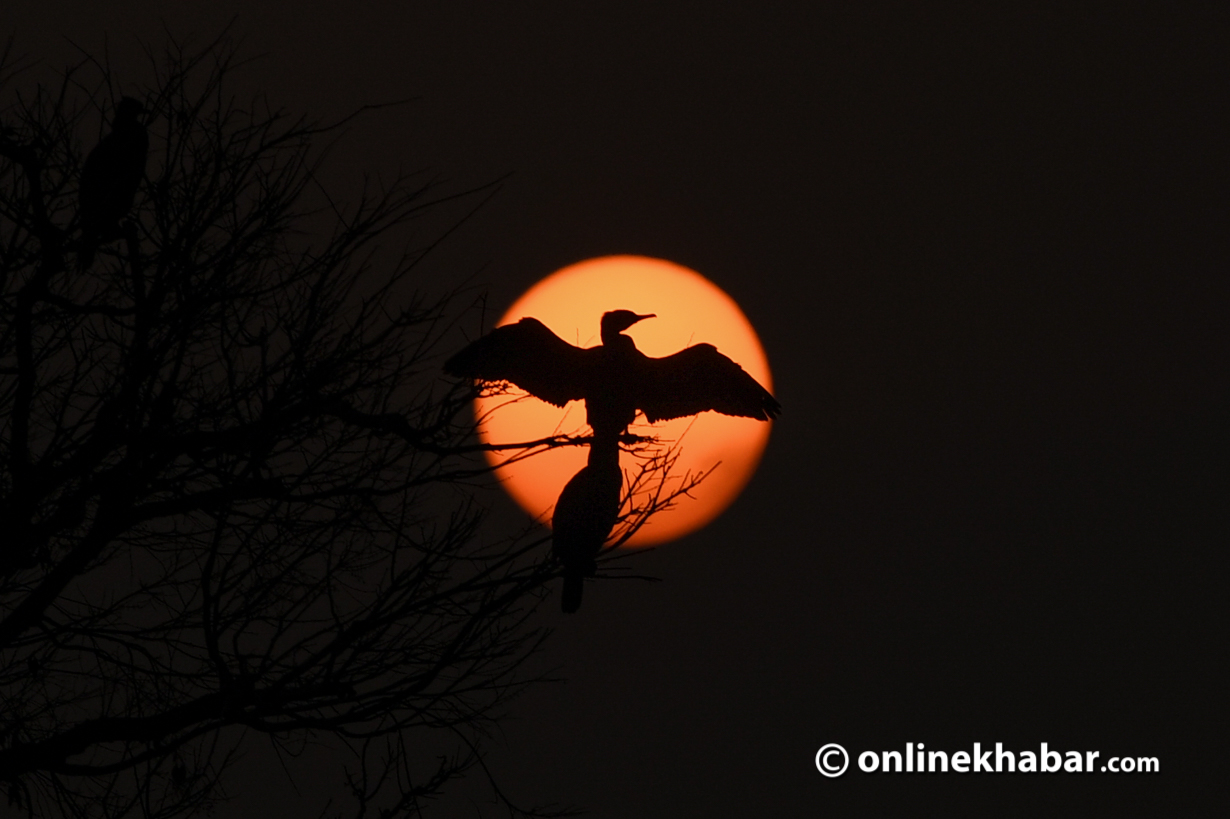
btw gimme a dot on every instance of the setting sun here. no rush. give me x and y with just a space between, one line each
689 310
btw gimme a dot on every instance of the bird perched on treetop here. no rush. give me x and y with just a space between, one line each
110 178
585 513
614 379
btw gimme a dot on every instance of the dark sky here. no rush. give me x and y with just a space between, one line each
985 249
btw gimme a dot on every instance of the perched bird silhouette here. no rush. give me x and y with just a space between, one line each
585 513
614 379
110 177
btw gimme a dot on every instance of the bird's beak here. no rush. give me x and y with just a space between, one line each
647 315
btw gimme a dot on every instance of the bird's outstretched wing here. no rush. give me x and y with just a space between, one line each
699 379
530 356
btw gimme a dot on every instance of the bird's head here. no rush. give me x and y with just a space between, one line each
128 110
616 321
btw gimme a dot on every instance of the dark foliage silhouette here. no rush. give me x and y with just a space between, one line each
110 178
235 502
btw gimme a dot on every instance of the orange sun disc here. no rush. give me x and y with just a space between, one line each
690 309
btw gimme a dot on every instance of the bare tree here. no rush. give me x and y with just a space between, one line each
235 498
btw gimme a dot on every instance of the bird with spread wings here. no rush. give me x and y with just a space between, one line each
616 381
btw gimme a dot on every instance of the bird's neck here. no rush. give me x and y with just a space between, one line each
615 339
126 125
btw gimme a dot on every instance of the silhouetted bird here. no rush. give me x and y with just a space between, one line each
614 379
585 513
110 177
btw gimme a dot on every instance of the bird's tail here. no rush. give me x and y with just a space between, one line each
85 256
574 585
86 247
